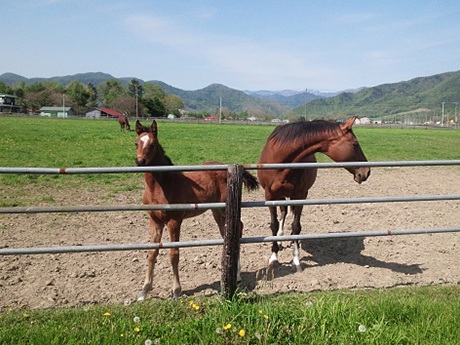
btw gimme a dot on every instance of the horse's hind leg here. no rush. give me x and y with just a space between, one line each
275 228
296 228
156 230
283 213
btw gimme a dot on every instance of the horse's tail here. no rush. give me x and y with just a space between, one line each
250 181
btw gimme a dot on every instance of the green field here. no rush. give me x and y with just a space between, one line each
428 315
45 142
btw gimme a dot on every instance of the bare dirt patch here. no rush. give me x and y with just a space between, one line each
54 280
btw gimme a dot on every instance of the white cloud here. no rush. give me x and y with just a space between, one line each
231 55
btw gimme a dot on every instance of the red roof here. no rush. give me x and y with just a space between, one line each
110 112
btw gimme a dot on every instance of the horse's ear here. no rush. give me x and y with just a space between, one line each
346 126
139 128
154 128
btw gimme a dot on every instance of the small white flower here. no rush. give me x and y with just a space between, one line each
362 328
148 342
136 319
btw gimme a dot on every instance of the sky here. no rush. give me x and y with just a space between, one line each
245 45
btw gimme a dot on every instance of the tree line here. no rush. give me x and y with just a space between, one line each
133 99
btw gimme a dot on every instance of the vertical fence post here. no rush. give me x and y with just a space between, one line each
231 248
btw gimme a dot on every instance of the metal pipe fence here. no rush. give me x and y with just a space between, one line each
219 242
205 206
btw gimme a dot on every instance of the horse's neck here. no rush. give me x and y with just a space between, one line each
310 146
159 177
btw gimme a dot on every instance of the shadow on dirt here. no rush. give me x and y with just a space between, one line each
321 252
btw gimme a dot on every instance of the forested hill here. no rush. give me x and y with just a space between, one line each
417 96
206 100
423 95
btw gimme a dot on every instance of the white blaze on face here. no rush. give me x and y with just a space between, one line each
145 141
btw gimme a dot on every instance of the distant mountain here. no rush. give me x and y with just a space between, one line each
208 99
419 96
422 95
289 98
94 78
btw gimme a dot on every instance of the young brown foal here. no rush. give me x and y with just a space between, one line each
173 187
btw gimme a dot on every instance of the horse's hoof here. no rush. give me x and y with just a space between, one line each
141 297
297 268
176 294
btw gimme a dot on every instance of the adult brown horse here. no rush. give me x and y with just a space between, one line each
172 187
296 143
124 123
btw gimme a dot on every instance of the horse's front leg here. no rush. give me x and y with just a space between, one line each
296 228
174 233
156 231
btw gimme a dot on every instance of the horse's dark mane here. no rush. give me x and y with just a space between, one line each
307 131
165 157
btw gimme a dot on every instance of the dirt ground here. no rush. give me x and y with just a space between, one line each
56 280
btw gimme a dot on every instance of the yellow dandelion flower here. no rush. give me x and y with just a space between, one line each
227 326
122 335
266 317
260 311
25 315
196 307
106 313
242 333
137 329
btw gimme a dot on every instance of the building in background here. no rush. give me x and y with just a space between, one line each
56 111
97 113
7 104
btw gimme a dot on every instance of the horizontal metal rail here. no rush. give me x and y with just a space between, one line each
215 205
96 170
218 242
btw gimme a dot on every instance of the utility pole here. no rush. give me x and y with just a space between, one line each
455 118
442 114
137 102
220 109
306 90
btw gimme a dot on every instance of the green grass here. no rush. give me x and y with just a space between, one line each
428 315
44 142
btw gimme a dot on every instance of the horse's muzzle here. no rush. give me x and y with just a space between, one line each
362 174
140 162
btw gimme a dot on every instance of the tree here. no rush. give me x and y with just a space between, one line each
153 100
155 106
92 100
152 90
135 88
78 96
172 104
110 91
125 105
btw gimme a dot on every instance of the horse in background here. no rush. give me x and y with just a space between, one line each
177 187
124 123
297 143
